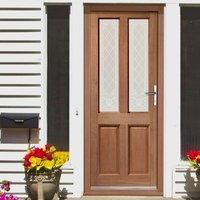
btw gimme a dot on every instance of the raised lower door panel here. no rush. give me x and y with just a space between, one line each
109 150
139 150
122 94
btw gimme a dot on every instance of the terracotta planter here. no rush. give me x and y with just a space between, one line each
48 184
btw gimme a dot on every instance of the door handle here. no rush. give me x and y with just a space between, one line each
154 93
150 93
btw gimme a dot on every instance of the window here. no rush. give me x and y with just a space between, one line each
190 79
58 76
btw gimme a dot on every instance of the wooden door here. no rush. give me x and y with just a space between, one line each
123 100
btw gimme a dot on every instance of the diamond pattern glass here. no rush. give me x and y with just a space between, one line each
138 65
109 65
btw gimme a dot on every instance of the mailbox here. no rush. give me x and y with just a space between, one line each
19 120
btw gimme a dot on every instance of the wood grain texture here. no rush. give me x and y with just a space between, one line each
109 150
133 140
138 150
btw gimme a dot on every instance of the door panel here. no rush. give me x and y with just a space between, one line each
138 150
109 150
122 102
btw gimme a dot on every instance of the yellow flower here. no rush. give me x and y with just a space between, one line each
60 158
48 164
67 155
52 149
59 163
34 161
63 155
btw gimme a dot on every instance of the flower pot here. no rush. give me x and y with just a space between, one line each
194 195
49 182
192 186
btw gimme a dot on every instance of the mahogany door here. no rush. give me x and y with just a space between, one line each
123 100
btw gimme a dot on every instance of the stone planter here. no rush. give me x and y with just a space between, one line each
43 185
192 186
194 195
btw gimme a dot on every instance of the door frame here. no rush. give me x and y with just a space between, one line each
91 8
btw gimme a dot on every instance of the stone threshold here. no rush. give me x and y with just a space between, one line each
118 198
121 198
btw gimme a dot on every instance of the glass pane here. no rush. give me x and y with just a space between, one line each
138 65
109 65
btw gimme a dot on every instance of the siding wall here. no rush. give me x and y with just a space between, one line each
184 182
22 86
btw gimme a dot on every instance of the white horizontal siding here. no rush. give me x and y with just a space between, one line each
20 69
6 167
180 176
20 91
15 148
184 181
180 188
32 4
20 25
20 102
20 58
21 44
20 14
17 156
20 36
20 47
22 80
19 110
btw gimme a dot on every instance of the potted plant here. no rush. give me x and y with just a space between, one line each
42 171
194 186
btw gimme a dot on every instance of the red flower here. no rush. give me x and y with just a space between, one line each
192 155
49 156
27 156
27 163
47 147
198 159
38 152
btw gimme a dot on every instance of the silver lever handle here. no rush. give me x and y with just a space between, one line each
150 93
154 93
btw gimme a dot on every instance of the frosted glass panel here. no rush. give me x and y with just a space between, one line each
138 65
109 65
